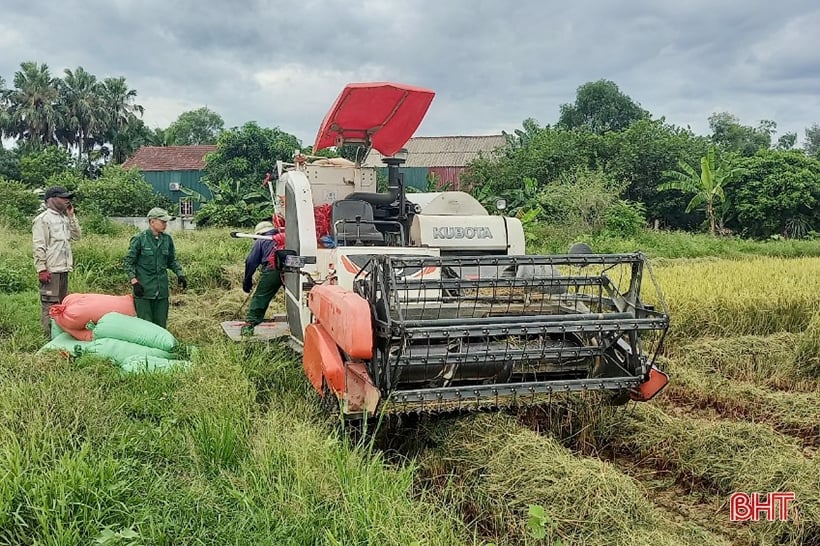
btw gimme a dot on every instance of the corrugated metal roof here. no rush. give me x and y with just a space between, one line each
444 151
170 158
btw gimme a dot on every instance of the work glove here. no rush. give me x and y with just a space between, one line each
246 286
139 290
44 276
183 282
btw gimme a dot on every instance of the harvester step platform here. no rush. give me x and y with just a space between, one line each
274 328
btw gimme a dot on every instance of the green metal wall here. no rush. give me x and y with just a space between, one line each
162 180
414 177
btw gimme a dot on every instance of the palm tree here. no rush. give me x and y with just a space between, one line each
84 116
131 137
33 112
4 110
707 186
120 113
159 137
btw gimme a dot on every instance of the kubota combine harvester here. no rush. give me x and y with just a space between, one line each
426 302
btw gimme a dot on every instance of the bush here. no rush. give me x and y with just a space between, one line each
214 214
578 201
624 218
17 196
36 167
9 164
19 205
13 280
120 193
94 221
69 179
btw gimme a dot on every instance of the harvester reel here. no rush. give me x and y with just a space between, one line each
471 336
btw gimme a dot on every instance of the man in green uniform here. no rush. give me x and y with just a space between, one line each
150 254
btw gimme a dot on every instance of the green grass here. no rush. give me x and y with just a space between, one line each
235 450
192 456
231 451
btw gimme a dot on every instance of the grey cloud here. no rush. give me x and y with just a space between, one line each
492 64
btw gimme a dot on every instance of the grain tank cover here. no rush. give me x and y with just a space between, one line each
381 115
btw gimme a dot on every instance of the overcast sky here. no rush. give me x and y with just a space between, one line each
492 64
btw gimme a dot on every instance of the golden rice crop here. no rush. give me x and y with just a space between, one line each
755 296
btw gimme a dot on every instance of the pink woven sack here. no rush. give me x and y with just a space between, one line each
77 310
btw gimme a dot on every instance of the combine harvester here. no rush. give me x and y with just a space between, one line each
426 302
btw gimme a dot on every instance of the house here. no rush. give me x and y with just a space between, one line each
170 168
445 158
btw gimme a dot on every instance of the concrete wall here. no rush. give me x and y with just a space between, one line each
141 222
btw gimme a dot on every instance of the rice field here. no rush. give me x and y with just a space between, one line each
236 450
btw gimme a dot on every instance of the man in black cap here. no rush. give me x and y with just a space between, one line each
52 233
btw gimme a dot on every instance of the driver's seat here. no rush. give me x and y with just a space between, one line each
351 229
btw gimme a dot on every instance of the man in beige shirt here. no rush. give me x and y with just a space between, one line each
52 233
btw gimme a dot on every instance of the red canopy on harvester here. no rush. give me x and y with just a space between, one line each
382 115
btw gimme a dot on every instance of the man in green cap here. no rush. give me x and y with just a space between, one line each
150 254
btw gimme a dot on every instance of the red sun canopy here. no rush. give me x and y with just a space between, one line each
383 115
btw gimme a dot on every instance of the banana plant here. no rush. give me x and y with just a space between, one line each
708 185
231 204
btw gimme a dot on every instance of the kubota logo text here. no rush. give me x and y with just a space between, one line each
482 232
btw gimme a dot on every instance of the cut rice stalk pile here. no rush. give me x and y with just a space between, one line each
494 470
807 356
765 360
725 457
793 413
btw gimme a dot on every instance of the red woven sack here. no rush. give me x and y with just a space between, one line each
78 309
81 335
321 216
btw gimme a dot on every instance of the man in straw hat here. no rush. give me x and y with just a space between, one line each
262 254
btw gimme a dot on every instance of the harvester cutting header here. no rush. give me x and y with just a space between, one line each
426 302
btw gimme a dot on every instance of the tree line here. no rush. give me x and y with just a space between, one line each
738 179
99 119
605 153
